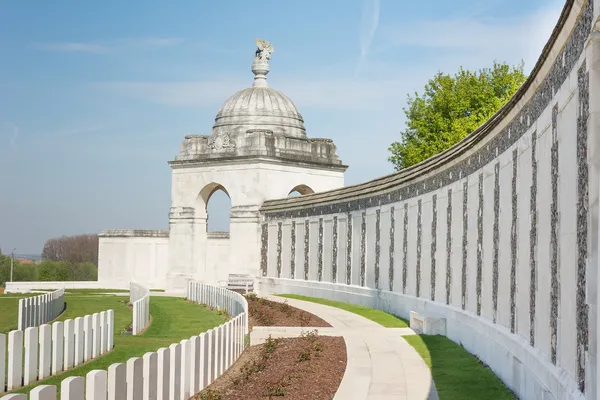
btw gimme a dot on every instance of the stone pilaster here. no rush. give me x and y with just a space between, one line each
244 239
181 247
593 149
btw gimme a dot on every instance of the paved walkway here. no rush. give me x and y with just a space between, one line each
381 364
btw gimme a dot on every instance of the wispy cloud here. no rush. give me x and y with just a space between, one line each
475 42
333 94
109 46
368 27
10 131
73 47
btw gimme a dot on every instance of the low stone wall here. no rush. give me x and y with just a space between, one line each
37 310
139 298
39 352
24 287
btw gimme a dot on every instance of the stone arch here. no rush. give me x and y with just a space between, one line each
302 190
220 210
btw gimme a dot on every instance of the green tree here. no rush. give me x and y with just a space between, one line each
450 108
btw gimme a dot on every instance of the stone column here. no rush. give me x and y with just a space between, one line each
245 240
181 247
199 248
593 278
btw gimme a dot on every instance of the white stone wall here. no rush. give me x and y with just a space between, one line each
139 259
511 260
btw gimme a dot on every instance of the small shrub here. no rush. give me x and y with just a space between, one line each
304 355
275 391
270 346
252 367
310 335
211 395
318 346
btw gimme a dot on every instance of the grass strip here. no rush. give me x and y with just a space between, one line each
382 318
457 374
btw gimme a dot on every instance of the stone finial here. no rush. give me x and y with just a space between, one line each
260 66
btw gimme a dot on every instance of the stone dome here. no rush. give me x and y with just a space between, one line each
259 107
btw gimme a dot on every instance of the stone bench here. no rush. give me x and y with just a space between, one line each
427 323
239 282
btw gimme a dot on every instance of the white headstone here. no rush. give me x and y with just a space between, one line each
96 335
203 358
43 392
175 374
15 359
117 382
45 350
103 333
150 375
57 347
69 344
31 355
79 340
210 356
2 360
88 335
227 344
194 364
110 314
96 385
185 369
14 396
215 353
163 373
72 388
21 320
135 376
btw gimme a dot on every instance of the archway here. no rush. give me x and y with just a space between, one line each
218 206
300 190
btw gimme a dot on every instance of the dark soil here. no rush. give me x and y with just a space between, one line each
270 313
306 368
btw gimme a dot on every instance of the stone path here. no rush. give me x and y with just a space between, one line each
381 364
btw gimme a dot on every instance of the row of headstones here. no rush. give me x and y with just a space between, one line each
37 310
218 297
40 352
174 373
141 314
136 292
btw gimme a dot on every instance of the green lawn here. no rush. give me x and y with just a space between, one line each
382 318
457 374
173 319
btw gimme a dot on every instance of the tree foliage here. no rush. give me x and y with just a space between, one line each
72 249
450 108
47 271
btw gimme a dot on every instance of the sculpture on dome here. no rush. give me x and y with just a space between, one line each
264 51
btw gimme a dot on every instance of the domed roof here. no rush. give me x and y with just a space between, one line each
260 107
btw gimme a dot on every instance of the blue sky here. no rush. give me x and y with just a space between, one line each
96 98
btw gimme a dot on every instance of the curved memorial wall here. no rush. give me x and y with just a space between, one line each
499 234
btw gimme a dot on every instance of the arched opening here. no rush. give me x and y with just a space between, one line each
300 190
218 206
